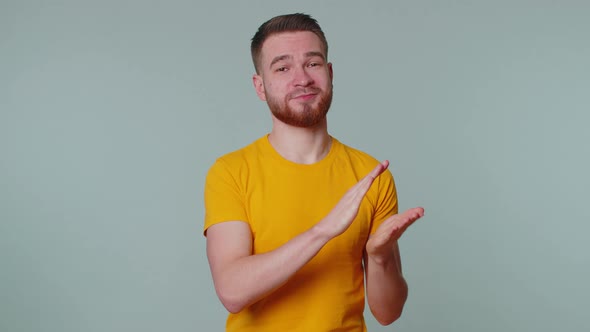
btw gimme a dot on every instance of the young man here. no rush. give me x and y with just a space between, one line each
291 218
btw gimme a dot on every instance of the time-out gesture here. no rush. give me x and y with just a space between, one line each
344 213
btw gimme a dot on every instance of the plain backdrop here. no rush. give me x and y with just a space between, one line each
111 113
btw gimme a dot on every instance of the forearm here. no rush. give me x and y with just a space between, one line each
246 280
387 290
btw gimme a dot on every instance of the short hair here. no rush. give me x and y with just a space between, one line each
285 23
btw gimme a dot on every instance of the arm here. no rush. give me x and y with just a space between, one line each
242 278
386 287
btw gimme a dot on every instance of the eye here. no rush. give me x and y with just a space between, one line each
281 69
315 64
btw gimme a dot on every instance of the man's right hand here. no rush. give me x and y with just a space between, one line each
344 213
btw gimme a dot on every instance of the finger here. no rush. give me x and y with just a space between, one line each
362 187
409 217
395 226
401 220
365 183
380 168
416 212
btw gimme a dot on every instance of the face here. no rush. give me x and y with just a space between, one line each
295 78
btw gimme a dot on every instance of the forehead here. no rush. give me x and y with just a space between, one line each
290 43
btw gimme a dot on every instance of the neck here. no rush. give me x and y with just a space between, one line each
300 145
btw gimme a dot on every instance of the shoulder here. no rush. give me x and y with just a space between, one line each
363 162
358 158
242 154
236 161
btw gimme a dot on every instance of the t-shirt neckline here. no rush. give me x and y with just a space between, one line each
268 148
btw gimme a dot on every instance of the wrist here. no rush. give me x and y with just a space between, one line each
380 259
321 233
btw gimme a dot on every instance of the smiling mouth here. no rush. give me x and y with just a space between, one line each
305 95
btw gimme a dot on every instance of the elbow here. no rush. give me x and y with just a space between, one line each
230 301
387 314
233 308
384 321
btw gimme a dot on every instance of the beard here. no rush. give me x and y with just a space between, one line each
309 116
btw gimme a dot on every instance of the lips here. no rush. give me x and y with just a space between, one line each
304 94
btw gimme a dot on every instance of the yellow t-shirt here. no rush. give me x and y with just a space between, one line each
280 199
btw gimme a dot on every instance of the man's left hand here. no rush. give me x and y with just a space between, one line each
380 244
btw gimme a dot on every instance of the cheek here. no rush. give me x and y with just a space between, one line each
327 80
273 91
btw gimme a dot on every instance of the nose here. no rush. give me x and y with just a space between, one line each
302 78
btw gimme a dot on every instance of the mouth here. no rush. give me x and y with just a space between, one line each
305 95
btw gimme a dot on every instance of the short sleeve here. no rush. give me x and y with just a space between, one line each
224 198
386 200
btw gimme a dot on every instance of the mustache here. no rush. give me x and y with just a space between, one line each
304 91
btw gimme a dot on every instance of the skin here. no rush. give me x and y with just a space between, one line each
303 65
296 79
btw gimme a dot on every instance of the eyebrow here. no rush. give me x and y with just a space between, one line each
279 58
286 57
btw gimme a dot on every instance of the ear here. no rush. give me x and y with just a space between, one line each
331 70
259 86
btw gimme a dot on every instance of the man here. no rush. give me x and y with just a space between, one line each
297 221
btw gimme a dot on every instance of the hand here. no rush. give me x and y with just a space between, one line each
341 217
380 244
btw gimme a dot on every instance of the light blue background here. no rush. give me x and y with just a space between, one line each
112 112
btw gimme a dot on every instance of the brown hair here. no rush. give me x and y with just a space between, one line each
285 23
